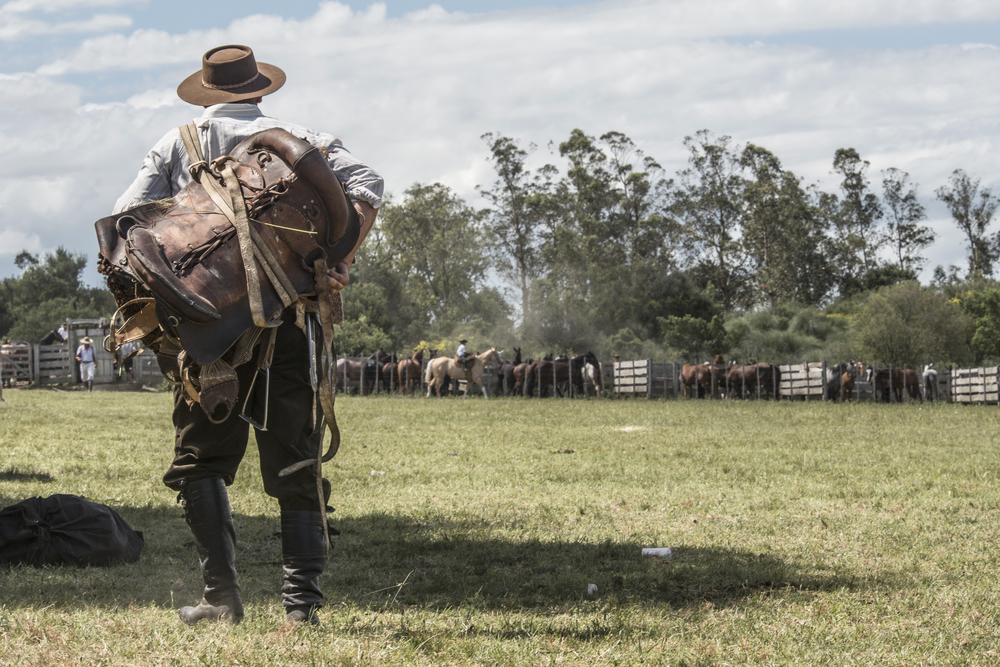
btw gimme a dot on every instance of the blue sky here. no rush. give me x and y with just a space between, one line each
86 87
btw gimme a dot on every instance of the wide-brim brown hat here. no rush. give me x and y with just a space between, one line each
86 340
229 74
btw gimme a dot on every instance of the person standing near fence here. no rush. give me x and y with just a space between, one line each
207 454
85 357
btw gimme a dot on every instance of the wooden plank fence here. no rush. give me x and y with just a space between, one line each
807 382
974 385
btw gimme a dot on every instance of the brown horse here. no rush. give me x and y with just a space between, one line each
707 378
756 380
885 380
408 372
505 377
520 371
440 370
847 382
911 384
365 371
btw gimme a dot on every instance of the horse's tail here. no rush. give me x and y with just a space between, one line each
428 375
529 380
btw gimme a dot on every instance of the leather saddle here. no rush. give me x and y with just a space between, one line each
190 256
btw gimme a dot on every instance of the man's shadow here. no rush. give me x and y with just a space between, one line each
434 561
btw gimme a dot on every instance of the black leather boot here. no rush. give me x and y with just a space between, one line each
206 508
303 549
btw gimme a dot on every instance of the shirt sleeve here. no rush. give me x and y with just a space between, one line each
361 181
154 179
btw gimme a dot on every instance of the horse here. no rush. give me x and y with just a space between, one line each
706 378
51 338
592 377
930 382
757 380
520 372
408 372
562 370
440 370
911 383
390 373
885 380
505 377
365 371
689 381
835 381
847 381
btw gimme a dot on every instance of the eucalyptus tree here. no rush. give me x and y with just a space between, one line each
783 236
903 212
611 243
859 235
521 206
710 204
972 210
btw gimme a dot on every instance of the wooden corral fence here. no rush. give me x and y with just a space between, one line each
807 382
32 364
973 385
645 377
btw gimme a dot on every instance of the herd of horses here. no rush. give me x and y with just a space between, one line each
577 375
762 380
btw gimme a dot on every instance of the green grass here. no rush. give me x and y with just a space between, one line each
803 534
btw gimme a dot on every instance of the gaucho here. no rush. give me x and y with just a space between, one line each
226 257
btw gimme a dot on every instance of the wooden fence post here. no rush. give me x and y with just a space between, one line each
649 379
36 364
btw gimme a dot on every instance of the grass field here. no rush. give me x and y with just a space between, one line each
802 534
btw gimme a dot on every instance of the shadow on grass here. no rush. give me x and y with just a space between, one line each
383 561
15 475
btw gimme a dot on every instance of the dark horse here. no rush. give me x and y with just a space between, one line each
366 372
505 377
548 374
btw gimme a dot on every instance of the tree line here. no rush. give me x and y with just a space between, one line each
733 254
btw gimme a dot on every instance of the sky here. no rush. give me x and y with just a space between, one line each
88 86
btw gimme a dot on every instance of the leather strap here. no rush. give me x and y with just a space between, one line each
229 199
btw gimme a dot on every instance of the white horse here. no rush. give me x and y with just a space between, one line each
443 368
930 382
592 377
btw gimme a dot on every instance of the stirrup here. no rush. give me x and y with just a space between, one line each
267 400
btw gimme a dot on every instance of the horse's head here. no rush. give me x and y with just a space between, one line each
418 355
490 355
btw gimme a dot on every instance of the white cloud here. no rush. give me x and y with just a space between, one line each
51 6
412 95
13 241
13 27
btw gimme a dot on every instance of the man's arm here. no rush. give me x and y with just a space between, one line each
339 276
153 181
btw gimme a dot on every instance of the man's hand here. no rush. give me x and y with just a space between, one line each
338 277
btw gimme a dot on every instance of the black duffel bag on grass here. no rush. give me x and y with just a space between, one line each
66 530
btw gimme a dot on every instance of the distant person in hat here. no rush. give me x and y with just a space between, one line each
230 85
85 357
63 332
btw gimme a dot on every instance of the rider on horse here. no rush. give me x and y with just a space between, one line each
461 356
